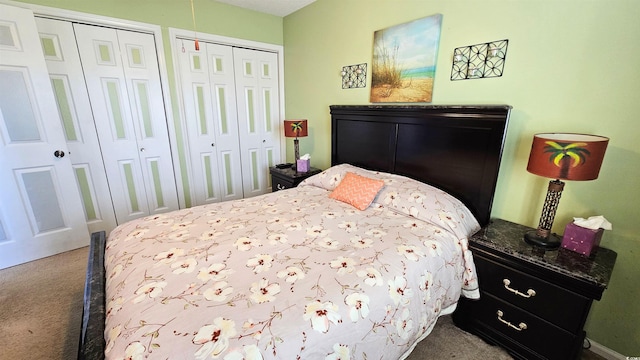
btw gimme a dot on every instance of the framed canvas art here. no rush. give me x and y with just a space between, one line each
404 61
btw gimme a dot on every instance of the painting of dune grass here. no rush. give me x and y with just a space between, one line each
404 61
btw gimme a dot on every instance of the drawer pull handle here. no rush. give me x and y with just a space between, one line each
530 292
280 187
520 327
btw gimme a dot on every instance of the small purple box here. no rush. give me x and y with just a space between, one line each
581 240
302 165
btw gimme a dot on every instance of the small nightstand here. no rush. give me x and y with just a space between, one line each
288 178
533 303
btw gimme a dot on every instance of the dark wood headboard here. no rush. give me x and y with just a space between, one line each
454 148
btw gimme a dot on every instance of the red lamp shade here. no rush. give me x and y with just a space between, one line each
295 128
567 156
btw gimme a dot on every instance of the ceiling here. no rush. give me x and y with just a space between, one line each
273 7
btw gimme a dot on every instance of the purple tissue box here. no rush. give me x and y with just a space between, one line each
302 165
581 240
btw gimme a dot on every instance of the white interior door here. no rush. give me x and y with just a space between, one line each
258 116
208 90
123 81
40 208
65 70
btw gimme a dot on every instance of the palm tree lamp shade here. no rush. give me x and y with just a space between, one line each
561 157
296 129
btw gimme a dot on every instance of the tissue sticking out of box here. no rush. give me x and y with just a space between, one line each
593 222
305 157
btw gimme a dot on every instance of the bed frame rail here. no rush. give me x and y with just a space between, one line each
93 313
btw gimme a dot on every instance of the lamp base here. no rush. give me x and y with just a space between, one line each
296 147
550 242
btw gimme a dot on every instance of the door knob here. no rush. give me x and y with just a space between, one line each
58 153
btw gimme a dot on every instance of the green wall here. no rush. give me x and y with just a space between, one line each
571 66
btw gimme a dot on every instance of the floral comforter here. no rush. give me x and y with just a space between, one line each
289 275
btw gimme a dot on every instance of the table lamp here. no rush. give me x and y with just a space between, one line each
561 157
295 128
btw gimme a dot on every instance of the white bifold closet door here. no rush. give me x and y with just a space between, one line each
258 117
231 106
40 207
67 79
123 82
211 120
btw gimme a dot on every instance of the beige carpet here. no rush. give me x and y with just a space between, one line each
41 307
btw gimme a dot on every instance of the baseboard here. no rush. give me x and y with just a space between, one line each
605 352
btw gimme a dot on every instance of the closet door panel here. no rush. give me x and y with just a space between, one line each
140 66
63 62
258 116
200 125
222 84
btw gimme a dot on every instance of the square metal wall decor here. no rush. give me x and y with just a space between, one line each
354 76
479 61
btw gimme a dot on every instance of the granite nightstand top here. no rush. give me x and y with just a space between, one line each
507 238
289 172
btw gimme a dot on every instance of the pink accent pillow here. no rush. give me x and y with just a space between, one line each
357 190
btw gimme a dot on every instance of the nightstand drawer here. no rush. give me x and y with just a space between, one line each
552 303
525 329
281 183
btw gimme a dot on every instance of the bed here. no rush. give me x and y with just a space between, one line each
313 272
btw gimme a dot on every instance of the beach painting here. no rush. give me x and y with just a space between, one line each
404 61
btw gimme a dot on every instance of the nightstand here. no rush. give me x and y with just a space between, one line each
288 178
533 303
